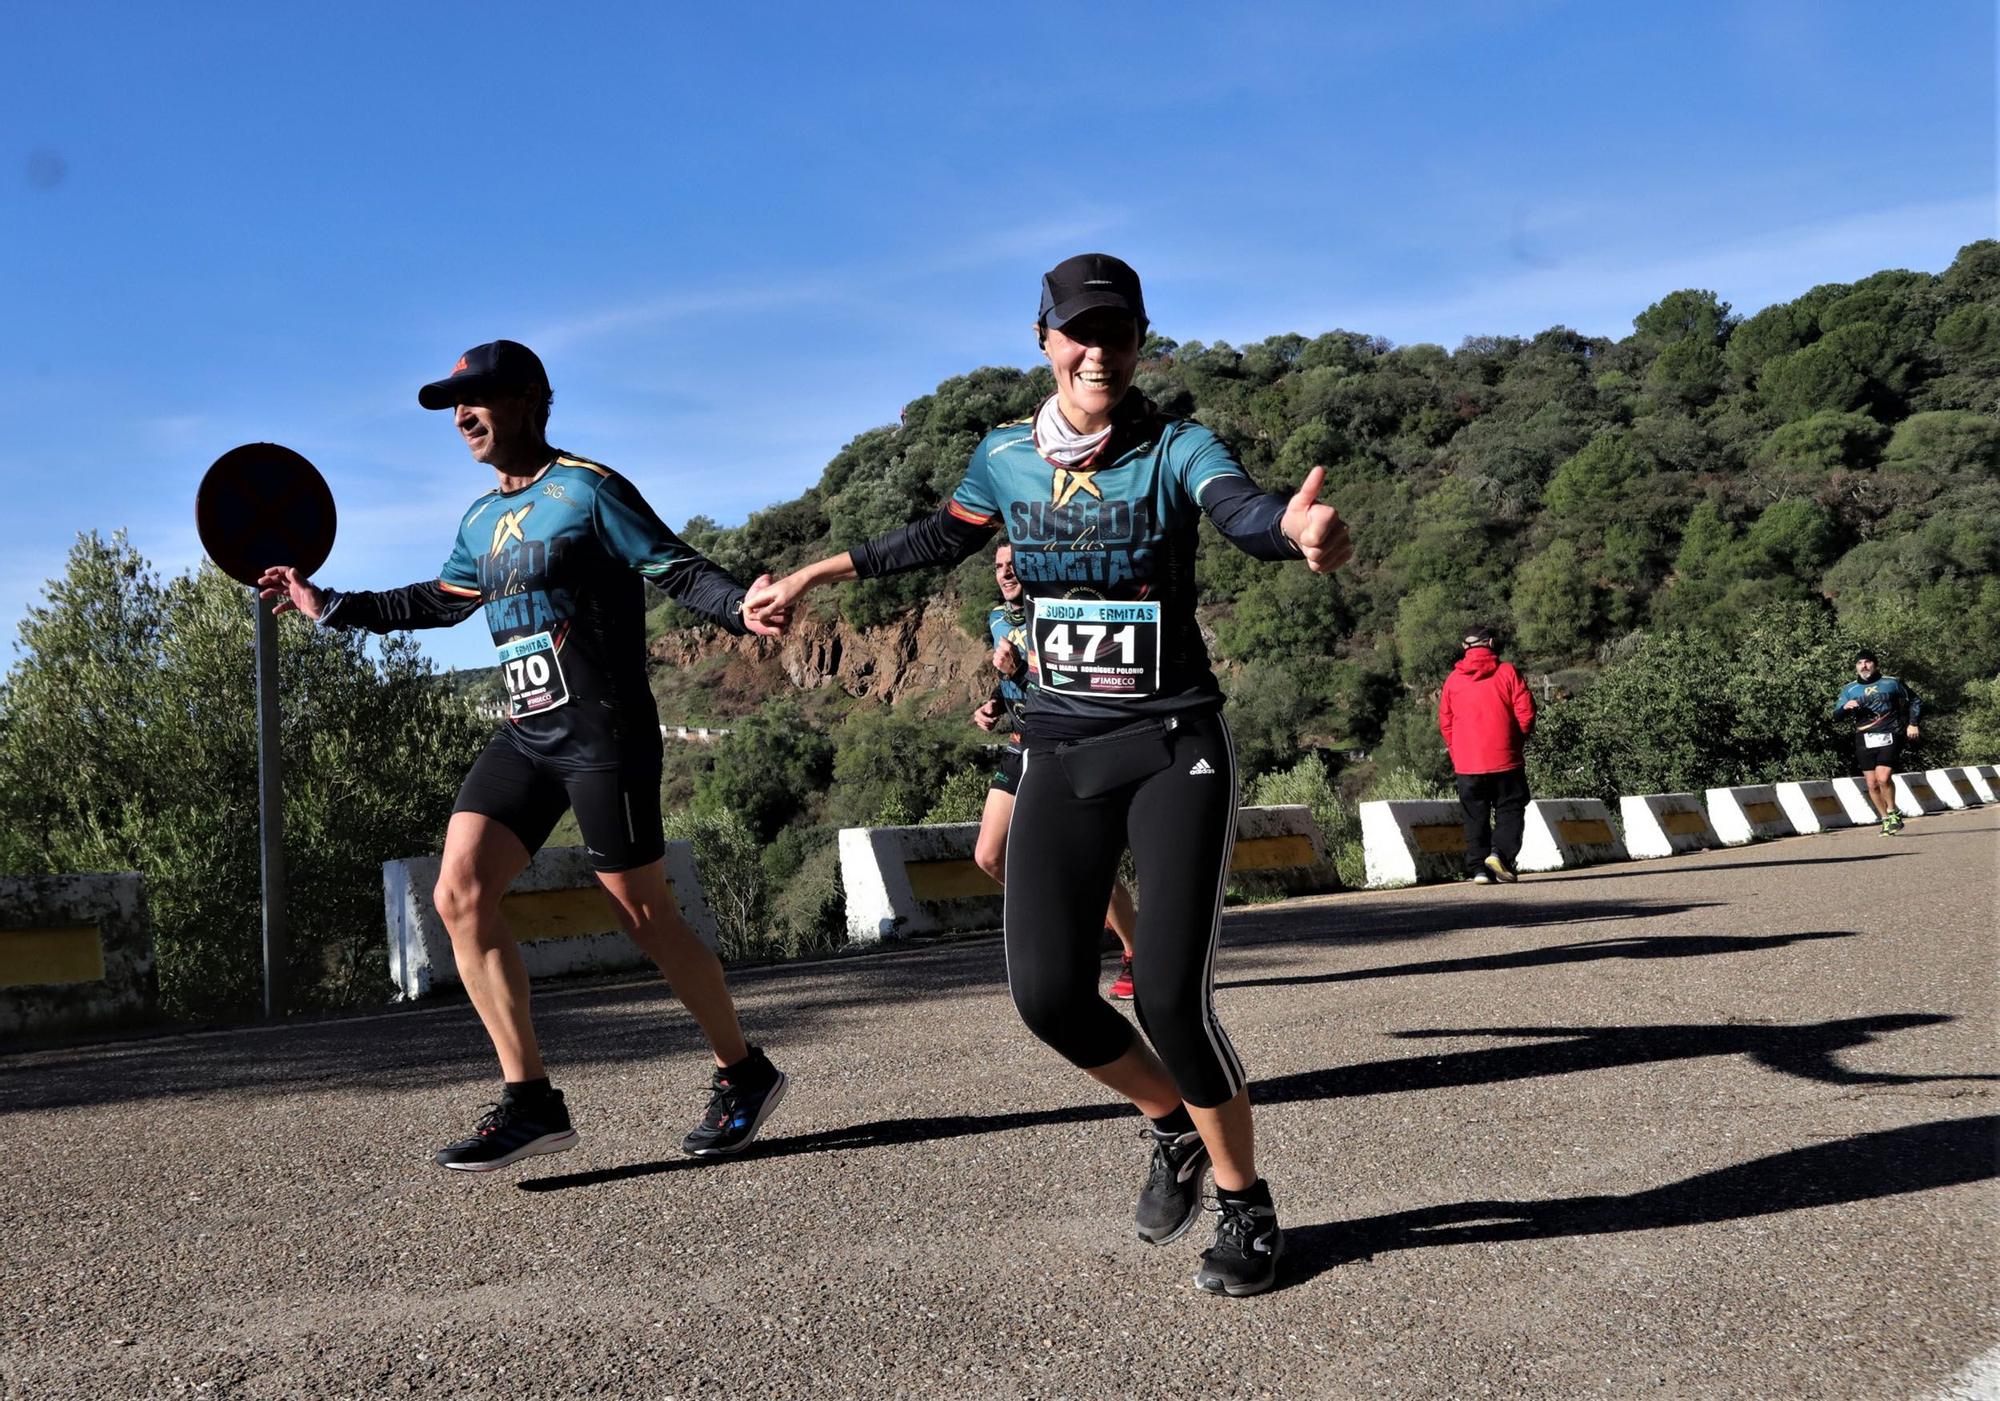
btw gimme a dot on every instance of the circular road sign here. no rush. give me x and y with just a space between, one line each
263 505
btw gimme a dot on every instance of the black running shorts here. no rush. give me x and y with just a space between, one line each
1868 758
617 809
1007 773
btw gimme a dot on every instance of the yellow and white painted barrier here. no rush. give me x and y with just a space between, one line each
1915 797
1564 833
556 909
76 952
1953 788
1981 779
1813 806
1852 791
1748 814
902 881
1665 824
1407 841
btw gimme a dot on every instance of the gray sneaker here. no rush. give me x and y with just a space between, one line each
1171 1198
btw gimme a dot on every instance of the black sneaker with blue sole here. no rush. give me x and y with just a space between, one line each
510 1131
741 1098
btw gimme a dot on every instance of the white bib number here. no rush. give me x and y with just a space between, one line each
1879 739
532 673
1095 647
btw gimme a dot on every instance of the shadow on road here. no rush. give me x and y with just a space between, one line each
1391 921
1589 951
1891 1162
1804 1051
1597 873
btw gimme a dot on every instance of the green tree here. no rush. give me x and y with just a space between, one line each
768 768
128 742
1555 604
1945 443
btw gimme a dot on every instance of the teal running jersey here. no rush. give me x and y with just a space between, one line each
1106 554
557 566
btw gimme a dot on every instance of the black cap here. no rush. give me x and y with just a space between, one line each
502 365
1864 655
1086 282
1478 635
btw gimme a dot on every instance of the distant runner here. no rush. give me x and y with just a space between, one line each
555 554
1008 627
1885 712
1101 495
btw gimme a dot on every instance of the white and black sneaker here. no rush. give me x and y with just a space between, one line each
740 1099
1171 1198
1244 1258
509 1131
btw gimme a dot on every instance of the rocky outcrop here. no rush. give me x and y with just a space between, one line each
920 653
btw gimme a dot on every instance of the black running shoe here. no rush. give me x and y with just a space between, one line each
1244 1258
510 1131
1171 1198
736 1111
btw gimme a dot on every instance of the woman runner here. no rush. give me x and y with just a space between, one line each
1100 496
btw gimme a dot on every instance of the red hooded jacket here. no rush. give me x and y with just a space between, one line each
1485 713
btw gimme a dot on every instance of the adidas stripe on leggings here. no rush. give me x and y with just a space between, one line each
1062 857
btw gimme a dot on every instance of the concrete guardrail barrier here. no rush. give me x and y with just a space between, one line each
1852 791
1413 841
1915 797
1981 779
1953 788
1748 814
76 953
1666 824
1564 833
556 909
903 881
1812 805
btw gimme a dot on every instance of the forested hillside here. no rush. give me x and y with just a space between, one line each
1840 450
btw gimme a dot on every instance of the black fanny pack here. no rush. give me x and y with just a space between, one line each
1101 763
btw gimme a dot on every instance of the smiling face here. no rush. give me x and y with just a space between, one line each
498 428
1004 576
1865 670
1094 357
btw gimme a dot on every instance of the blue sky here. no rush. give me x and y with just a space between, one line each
739 239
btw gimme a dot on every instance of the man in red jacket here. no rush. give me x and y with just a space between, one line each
1484 713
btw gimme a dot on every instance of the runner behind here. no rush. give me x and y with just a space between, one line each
1885 712
1007 624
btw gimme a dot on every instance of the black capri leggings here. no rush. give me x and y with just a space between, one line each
1062 857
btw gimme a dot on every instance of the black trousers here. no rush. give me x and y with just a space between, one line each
1062 856
1496 808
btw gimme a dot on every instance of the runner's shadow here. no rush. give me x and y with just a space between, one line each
1590 951
1803 1051
1891 1162
1597 873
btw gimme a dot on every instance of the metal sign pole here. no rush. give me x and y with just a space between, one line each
271 807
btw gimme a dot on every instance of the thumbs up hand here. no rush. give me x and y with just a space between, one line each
1316 531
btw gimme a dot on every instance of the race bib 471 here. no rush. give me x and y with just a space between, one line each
1089 646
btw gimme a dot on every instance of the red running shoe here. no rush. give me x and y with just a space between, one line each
1121 986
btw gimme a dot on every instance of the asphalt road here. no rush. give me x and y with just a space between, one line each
1714 1126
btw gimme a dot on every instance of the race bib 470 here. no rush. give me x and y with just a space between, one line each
532 673
1089 646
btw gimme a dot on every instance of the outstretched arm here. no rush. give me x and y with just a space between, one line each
435 604
943 537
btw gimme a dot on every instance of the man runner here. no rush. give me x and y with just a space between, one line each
555 554
1885 712
1007 625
